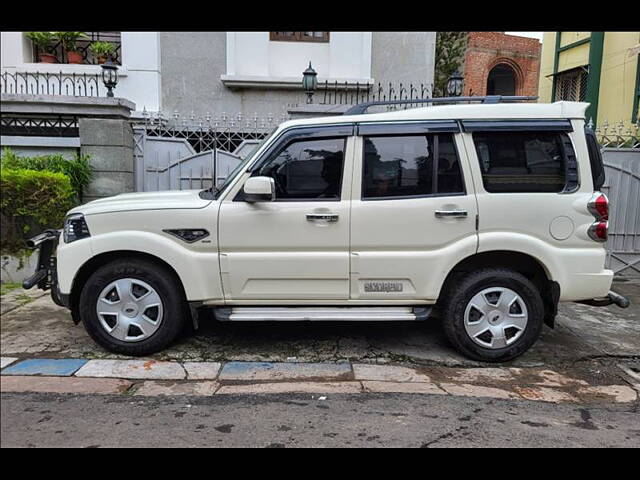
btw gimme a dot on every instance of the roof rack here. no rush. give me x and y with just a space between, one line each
363 107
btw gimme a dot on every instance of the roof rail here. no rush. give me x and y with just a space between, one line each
363 107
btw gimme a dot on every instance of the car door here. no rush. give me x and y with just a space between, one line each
413 211
296 247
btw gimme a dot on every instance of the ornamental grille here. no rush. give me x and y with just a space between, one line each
50 126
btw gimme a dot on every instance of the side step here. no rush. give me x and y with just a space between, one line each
321 314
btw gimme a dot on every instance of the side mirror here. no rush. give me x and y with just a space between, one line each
259 189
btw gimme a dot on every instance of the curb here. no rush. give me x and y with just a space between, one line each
163 378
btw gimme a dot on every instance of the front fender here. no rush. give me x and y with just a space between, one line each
199 271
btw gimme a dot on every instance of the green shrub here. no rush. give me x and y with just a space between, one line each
43 40
30 202
102 49
78 169
69 40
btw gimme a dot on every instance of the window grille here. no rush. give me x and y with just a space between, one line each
572 85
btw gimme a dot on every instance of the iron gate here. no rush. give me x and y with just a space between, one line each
180 153
622 186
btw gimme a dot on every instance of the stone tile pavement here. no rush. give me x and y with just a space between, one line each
150 378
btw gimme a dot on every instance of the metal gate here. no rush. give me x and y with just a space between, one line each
188 153
622 186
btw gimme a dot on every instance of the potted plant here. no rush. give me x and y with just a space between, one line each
102 51
68 40
44 43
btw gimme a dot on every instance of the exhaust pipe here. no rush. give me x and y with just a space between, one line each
619 300
611 298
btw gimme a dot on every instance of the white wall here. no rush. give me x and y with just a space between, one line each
141 58
140 72
347 56
15 49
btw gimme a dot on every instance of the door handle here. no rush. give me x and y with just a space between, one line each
326 217
450 213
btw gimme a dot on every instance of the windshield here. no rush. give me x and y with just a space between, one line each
240 167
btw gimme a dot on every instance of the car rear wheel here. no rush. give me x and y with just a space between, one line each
132 307
493 315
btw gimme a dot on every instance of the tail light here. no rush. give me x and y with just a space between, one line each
598 231
599 206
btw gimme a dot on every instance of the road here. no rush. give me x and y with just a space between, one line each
374 420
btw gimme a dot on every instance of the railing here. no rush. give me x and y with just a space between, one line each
50 126
224 131
343 93
36 83
83 48
617 135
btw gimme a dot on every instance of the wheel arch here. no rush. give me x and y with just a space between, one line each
93 263
528 265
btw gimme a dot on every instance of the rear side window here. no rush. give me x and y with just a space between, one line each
408 166
595 159
525 161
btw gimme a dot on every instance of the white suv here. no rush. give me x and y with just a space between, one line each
487 213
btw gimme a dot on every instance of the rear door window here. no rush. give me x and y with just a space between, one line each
407 166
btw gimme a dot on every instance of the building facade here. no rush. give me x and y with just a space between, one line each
601 68
237 72
499 64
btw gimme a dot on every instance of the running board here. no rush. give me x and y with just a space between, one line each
321 314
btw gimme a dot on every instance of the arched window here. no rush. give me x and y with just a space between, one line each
501 80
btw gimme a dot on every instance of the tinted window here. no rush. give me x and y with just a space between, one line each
521 161
595 159
403 166
307 170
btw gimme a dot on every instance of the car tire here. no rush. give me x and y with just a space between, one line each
132 306
493 314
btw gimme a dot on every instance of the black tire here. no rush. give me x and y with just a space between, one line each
163 282
458 296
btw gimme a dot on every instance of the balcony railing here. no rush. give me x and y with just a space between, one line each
36 83
83 48
343 93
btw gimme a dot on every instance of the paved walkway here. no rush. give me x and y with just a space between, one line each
152 378
592 356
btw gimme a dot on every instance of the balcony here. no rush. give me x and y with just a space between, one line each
83 48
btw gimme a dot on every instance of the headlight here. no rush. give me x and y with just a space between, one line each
75 228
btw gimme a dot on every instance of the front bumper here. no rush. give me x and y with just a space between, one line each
45 276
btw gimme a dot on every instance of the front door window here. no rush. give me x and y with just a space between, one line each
307 170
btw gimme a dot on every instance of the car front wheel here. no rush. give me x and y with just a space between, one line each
132 307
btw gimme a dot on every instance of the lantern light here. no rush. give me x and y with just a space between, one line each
309 82
109 76
455 84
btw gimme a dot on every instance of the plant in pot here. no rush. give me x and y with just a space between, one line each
44 42
102 51
69 43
